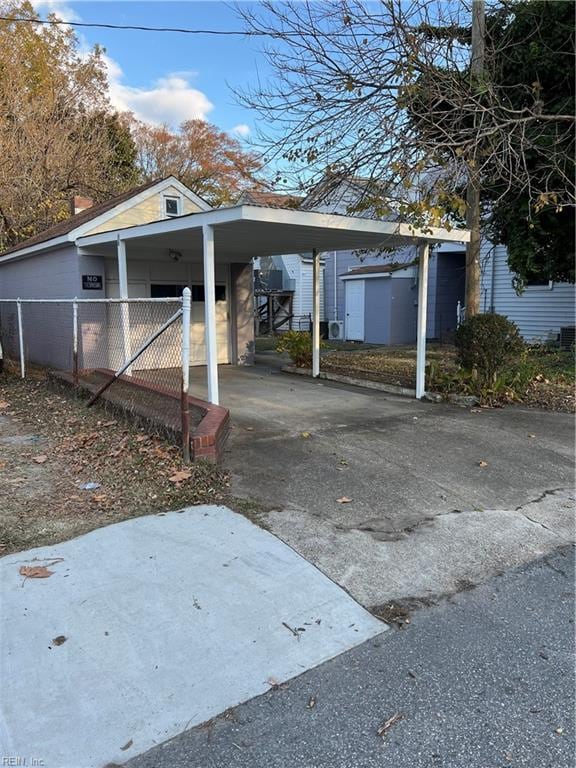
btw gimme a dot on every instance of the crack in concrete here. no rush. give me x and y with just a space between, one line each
382 534
543 495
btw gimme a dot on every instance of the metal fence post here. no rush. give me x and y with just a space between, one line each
75 342
21 339
186 303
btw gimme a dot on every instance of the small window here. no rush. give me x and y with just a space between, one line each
172 206
198 293
541 282
165 290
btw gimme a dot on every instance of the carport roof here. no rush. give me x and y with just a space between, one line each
245 231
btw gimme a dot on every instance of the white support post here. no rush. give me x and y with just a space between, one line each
124 307
75 341
21 340
421 323
315 313
210 314
186 304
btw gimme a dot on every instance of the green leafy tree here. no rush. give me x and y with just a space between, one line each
521 129
536 221
58 135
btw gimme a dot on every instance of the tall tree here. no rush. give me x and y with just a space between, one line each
385 91
209 161
536 220
58 136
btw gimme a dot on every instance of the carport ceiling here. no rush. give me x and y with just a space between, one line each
245 231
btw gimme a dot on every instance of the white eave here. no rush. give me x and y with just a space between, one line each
246 231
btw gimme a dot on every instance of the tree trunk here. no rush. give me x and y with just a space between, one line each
473 276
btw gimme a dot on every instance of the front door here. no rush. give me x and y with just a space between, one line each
355 310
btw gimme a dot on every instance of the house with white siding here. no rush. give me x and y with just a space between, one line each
542 309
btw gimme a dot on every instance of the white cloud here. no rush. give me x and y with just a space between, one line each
241 130
170 99
59 7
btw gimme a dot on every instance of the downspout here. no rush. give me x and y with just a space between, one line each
493 271
335 285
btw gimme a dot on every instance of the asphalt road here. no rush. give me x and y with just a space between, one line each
484 679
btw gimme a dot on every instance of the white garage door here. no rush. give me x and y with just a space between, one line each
145 319
197 334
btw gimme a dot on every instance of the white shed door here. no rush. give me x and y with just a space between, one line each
355 310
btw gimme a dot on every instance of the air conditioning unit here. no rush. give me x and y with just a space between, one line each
567 337
336 330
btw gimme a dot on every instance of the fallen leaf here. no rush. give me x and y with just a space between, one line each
40 459
530 434
35 571
305 435
311 702
343 500
127 745
178 477
482 464
249 429
4 404
60 640
109 423
385 727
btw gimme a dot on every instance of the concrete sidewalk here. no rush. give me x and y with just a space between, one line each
145 628
441 496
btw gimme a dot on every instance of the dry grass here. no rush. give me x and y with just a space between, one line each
41 501
543 379
390 365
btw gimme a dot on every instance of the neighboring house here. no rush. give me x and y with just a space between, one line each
288 273
54 265
292 272
378 282
540 311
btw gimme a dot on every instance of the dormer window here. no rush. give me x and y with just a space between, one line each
172 206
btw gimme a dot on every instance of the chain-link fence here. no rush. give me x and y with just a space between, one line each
131 353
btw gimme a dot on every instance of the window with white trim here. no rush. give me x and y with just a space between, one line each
171 206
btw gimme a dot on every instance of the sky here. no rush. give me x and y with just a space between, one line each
169 77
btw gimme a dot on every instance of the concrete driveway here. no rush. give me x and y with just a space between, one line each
441 496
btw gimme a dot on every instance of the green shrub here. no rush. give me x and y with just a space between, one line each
488 344
298 345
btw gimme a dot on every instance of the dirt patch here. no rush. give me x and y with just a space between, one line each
51 445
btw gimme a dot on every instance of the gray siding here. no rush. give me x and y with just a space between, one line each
431 306
539 312
377 316
448 289
403 310
343 261
47 327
